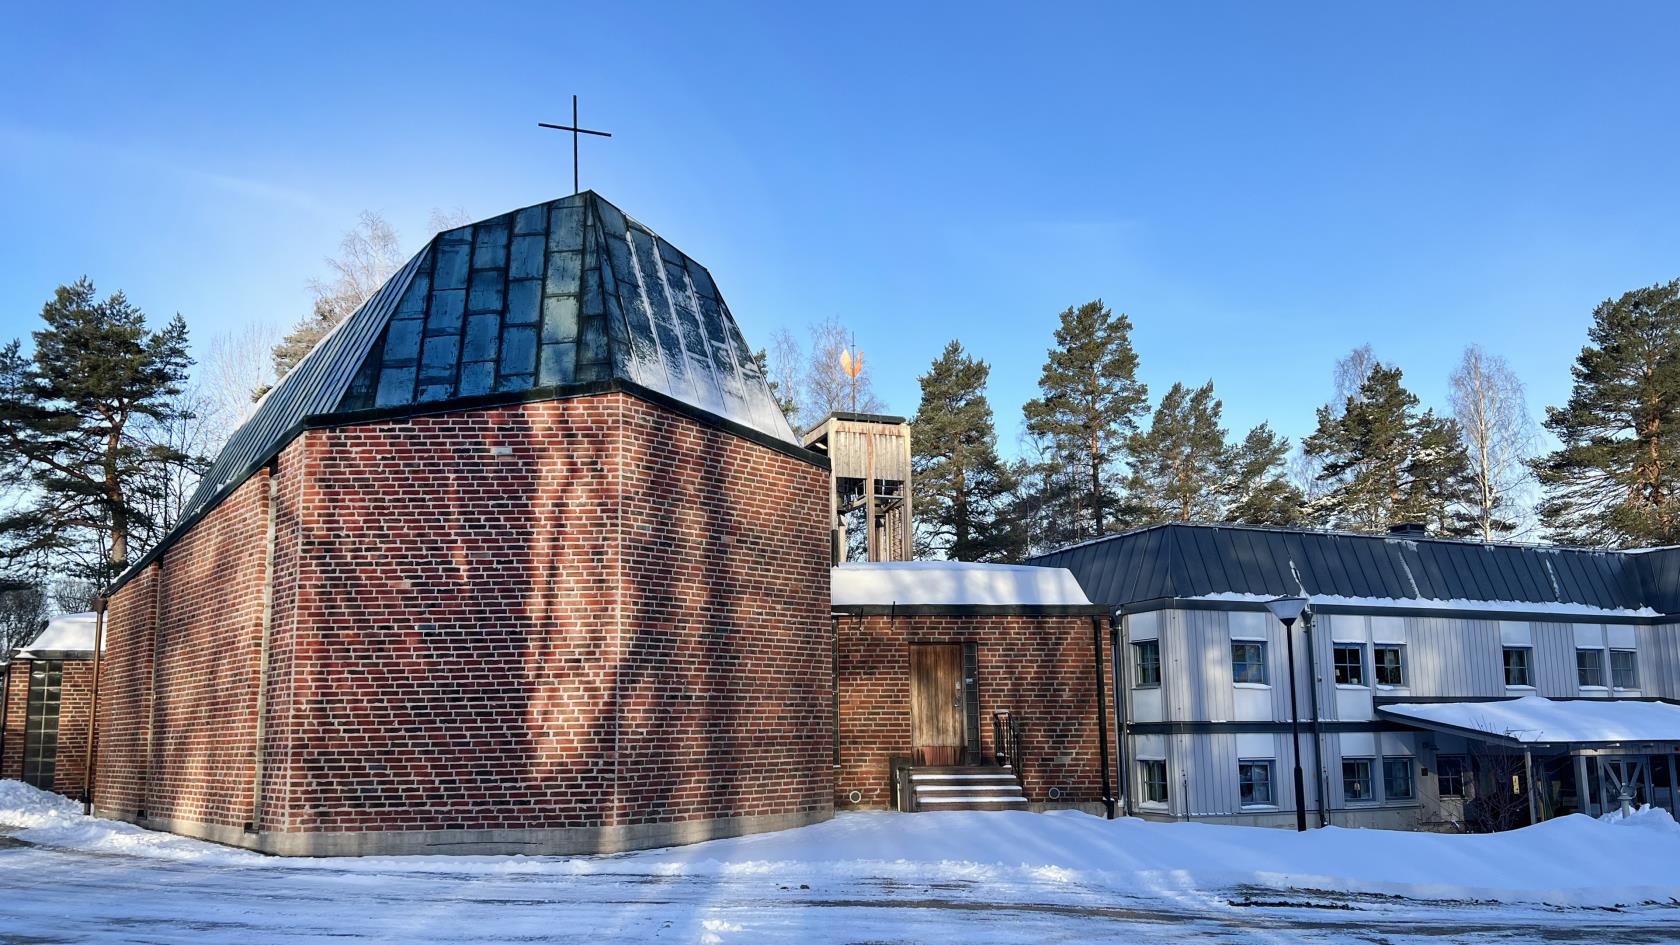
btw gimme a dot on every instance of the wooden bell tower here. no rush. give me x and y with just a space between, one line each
869 482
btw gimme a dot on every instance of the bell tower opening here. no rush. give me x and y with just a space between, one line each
869 485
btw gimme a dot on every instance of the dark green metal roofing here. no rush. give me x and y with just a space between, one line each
560 296
1189 561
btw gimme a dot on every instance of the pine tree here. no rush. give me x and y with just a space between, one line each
1440 490
1256 489
963 490
1614 478
1179 462
71 414
1091 399
1386 464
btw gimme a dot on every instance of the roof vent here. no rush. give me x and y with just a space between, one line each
1408 530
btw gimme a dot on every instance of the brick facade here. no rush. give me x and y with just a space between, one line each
1037 666
592 613
75 701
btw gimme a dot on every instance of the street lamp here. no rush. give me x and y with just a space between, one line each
1288 610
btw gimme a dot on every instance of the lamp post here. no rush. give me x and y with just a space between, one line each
1287 610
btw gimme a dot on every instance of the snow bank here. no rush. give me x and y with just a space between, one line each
1572 860
48 819
1532 719
912 583
66 632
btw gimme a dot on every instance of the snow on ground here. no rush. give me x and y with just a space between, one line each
863 877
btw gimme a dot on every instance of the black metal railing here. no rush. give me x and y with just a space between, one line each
1006 743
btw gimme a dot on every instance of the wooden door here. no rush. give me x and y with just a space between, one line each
936 703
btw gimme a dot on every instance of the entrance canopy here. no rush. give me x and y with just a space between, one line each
1536 722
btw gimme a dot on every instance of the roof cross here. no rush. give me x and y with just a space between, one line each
575 130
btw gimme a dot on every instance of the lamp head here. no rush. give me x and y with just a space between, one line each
1287 609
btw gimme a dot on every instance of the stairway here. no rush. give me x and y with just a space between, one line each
966 788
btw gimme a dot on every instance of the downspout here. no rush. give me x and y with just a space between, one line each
1121 691
99 605
1317 726
259 754
1102 715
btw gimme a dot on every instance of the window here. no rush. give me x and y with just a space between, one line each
1254 781
1350 665
1517 672
1146 663
1589 667
1449 774
1397 779
1248 662
1154 781
1356 780
1624 669
40 739
1389 665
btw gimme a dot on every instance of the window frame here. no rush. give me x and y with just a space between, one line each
1265 673
1460 777
1399 665
1270 764
1615 675
1337 666
1580 668
1527 666
1138 664
1147 784
1411 778
1368 779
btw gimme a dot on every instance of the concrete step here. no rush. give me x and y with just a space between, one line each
966 788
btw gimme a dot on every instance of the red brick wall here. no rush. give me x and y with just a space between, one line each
582 612
125 695
209 624
725 686
12 714
75 700
1036 666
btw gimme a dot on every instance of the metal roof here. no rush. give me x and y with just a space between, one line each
551 297
1181 560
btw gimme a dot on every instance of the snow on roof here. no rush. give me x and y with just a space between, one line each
1553 608
64 633
1535 719
954 583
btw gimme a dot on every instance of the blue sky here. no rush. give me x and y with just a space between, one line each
1260 187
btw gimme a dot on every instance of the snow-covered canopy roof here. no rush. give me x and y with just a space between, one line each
1534 720
953 583
66 633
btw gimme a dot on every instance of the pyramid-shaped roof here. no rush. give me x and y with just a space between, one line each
548 299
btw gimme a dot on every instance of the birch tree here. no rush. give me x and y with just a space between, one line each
1488 401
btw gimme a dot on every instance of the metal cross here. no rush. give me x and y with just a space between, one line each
575 130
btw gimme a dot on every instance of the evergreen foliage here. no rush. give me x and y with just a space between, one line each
1387 464
963 491
1089 404
1177 465
1185 470
73 418
1613 479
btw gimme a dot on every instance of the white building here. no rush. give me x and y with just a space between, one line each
1435 680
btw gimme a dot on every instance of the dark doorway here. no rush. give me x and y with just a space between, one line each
936 703
40 739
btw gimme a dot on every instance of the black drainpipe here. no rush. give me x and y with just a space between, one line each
1317 728
1102 715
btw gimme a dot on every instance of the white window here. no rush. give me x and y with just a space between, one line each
1518 663
1589 668
1248 662
1356 780
1389 664
1624 669
1349 660
1397 779
1153 775
1146 664
1255 783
